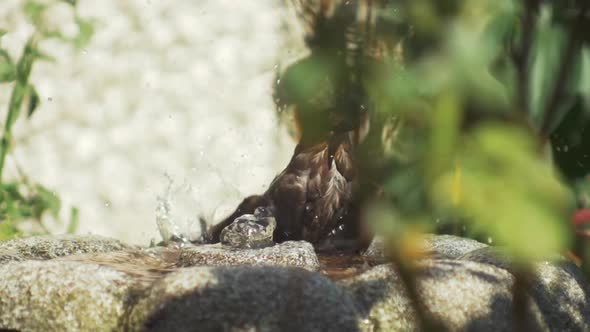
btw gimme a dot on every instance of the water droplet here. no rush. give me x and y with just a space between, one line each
490 240
276 66
565 148
107 204
279 81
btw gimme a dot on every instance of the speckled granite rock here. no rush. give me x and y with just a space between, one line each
560 282
244 299
470 296
439 246
381 303
61 296
10 255
52 246
161 289
450 246
291 253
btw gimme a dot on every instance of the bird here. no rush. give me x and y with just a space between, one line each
316 197
311 197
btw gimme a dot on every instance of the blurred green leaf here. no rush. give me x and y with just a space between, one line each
33 100
45 200
510 192
40 55
311 82
86 31
547 54
402 232
582 190
583 86
14 206
25 63
8 230
7 67
74 221
446 121
18 95
406 190
34 10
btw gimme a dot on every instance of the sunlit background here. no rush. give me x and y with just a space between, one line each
165 91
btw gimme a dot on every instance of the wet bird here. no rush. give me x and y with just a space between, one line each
311 197
314 197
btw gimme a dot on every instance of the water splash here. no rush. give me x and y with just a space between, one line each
176 215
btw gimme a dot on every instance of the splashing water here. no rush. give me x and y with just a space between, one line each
175 215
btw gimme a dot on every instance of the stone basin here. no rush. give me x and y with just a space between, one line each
87 283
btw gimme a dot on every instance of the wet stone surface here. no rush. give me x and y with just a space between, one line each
435 246
292 253
250 230
48 247
91 283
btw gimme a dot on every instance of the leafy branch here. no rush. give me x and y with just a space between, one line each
22 200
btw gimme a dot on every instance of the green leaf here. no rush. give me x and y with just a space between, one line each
310 82
45 200
445 128
8 230
74 221
25 63
86 31
3 32
7 68
33 100
40 55
34 10
14 206
509 192
18 95
547 57
583 86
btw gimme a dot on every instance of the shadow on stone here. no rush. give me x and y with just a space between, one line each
258 298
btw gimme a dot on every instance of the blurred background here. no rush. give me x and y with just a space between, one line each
162 91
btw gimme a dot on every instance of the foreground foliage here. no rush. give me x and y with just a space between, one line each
22 200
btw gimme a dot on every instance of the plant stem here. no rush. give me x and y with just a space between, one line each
23 70
564 71
519 297
524 53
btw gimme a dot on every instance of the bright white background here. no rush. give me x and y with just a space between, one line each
176 87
